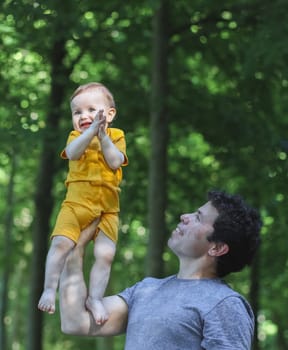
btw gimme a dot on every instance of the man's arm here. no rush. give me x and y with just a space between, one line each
83 323
75 319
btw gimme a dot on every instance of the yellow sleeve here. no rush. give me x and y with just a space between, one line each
118 138
73 134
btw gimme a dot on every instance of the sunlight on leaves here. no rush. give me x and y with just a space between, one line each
266 328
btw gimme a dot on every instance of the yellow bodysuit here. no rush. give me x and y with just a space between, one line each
92 190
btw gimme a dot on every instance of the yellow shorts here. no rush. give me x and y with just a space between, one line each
84 203
71 221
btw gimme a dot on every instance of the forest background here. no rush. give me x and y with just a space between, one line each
201 91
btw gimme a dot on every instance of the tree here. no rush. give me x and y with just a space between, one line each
222 102
157 190
8 224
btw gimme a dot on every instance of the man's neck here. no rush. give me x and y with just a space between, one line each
196 269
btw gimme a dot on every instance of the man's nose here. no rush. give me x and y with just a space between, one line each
184 218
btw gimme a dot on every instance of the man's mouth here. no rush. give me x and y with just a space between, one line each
178 231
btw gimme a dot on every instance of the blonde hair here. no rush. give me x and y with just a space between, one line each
95 86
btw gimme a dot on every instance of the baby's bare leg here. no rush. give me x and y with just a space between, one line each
104 251
60 247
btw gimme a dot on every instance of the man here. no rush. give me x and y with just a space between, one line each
194 309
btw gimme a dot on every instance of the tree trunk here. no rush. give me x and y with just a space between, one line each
43 195
159 140
7 253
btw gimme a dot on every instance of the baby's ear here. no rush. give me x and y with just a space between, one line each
111 114
218 249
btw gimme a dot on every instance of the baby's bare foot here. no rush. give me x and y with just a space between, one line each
47 301
96 307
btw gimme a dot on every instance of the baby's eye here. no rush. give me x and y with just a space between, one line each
92 109
76 112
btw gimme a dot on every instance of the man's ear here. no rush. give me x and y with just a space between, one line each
218 249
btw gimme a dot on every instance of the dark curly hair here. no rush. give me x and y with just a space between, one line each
237 225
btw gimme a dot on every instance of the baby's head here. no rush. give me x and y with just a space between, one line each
97 87
87 100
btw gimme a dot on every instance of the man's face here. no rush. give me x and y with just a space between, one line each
189 239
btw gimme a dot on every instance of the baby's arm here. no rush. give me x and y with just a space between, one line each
114 158
77 147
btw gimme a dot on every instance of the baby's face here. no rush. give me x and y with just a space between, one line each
85 106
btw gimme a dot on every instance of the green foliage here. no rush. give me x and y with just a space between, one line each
227 119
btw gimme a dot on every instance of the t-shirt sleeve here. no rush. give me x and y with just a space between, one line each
127 295
73 134
118 138
229 326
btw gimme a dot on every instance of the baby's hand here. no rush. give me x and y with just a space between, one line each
102 130
98 121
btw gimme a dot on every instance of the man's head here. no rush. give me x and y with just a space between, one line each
237 225
224 230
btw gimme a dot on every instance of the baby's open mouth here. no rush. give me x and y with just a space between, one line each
85 125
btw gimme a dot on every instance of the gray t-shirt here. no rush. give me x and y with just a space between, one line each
180 314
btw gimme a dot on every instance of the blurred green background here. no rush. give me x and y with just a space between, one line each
201 92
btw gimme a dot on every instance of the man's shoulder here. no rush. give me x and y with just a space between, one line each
219 289
225 297
150 282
